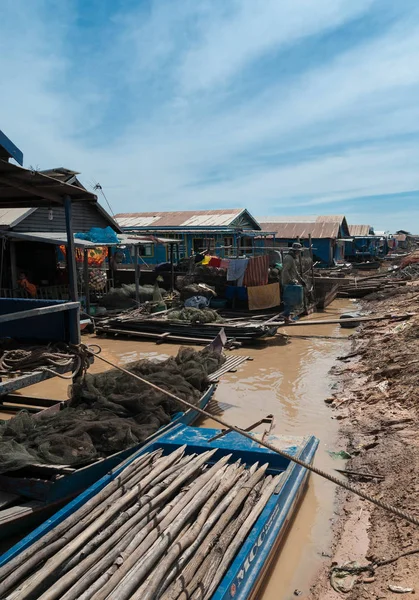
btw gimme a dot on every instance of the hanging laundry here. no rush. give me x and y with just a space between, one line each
257 271
225 262
237 269
264 296
215 262
206 260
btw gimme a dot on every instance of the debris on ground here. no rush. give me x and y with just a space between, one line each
380 383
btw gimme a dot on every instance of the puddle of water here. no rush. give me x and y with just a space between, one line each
291 382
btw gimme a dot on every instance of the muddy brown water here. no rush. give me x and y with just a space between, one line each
291 382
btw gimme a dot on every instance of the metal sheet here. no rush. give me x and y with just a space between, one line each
188 218
291 231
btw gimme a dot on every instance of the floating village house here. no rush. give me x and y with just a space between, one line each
365 244
32 237
328 234
227 232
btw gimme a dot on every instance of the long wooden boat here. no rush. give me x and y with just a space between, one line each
245 573
30 495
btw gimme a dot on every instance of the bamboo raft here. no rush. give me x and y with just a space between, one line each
162 328
185 517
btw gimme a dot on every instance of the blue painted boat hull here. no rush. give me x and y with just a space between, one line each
54 494
245 574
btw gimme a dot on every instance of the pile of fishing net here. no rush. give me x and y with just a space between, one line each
195 315
108 412
196 289
124 297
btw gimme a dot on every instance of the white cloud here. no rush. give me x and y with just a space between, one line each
246 30
152 115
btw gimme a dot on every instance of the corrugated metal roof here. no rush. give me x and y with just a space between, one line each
58 238
22 187
330 219
188 218
9 217
291 231
288 219
359 230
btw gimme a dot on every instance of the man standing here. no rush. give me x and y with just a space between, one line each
290 277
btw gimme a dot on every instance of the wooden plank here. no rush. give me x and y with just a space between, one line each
6 498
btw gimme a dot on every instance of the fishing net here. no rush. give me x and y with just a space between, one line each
196 315
108 412
124 297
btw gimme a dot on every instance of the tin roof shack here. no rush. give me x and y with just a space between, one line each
223 232
27 232
328 234
364 244
32 319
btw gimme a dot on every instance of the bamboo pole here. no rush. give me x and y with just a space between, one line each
241 534
208 569
12 572
142 543
57 560
164 479
193 565
213 518
138 569
99 574
80 563
152 584
145 503
336 321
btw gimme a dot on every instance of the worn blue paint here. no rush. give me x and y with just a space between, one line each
365 248
9 150
244 573
55 327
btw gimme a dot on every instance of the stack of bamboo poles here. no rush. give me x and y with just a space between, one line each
167 527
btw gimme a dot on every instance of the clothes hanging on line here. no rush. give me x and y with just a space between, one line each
257 271
236 270
225 262
214 262
264 296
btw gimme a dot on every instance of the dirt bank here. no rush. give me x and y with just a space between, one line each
377 403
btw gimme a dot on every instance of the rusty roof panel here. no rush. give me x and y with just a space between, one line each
359 230
291 231
330 219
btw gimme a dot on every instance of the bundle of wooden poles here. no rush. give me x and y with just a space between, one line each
167 527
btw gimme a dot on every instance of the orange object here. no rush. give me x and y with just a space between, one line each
27 286
95 256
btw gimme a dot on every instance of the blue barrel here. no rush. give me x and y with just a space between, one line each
293 295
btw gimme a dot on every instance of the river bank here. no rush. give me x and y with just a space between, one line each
376 403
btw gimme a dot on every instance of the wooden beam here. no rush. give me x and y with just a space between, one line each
31 189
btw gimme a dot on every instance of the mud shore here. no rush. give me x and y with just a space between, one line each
377 403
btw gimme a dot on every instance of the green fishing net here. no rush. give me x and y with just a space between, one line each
108 412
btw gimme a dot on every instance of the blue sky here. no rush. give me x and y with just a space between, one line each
279 106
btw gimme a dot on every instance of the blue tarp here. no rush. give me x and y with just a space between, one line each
98 235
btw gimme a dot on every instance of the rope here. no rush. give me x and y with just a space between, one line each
49 359
347 486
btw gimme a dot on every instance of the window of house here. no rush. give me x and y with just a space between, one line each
202 244
229 246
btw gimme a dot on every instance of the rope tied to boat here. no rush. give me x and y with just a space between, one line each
332 478
51 359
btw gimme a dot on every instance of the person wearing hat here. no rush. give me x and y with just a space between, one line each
290 274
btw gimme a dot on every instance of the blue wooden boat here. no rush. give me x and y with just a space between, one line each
245 574
25 501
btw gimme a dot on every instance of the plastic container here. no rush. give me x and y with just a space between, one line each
293 295
218 303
